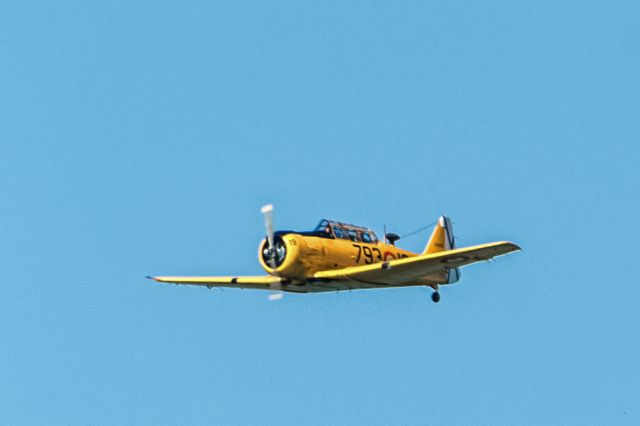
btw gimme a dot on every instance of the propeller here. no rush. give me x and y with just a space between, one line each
267 212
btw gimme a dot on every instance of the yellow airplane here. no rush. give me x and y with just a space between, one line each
336 256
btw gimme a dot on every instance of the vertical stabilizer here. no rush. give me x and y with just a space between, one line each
441 240
441 237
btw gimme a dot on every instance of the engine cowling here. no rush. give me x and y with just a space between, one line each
285 260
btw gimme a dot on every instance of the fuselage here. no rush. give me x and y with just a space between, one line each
304 255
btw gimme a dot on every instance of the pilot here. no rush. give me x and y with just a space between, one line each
327 231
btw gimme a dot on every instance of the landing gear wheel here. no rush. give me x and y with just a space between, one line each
435 296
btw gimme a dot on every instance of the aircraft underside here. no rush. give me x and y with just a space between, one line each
323 286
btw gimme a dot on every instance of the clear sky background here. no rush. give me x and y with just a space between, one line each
143 139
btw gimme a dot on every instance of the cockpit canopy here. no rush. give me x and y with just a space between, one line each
337 230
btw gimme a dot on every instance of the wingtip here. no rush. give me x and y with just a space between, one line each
515 246
512 246
149 277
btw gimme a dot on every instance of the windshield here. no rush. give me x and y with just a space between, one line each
323 229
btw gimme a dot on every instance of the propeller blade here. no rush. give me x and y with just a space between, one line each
267 211
276 296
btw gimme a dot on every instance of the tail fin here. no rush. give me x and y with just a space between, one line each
441 240
441 237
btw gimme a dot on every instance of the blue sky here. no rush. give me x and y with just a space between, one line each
143 138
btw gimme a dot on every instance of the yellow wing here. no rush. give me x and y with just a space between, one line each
266 282
412 270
